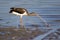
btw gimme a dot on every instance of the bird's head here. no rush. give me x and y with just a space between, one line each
12 9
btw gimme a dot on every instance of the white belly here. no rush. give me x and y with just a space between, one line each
19 14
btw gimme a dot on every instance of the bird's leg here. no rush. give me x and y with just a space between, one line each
43 20
34 14
22 27
21 23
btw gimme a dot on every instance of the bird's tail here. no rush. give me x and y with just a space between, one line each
32 14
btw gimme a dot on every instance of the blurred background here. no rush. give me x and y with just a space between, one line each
49 10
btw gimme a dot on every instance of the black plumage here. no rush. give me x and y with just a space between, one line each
18 10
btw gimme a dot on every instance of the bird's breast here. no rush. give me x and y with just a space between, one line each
16 13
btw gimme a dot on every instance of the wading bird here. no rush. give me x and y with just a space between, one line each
23 12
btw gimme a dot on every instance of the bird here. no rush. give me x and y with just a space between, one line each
20 12
23 12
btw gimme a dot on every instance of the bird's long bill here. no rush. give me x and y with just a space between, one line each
10 11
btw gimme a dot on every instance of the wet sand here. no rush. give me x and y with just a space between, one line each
19 34
53 36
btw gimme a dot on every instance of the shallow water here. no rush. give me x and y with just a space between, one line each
49 10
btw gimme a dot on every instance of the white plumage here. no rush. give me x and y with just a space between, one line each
21 15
